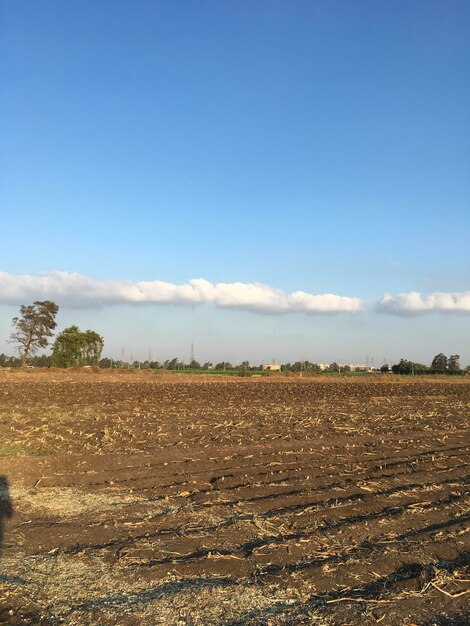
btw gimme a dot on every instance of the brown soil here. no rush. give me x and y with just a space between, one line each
131 499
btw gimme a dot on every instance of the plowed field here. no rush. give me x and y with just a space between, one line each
139 499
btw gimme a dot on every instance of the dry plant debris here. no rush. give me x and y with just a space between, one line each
145 499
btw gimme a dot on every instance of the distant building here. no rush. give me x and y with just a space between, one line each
350 367
357 367
272 367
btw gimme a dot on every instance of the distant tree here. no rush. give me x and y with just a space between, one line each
34 327
385 369
453 364
207 365
42 360
67 347
74 348
92 347
420 368
194 365
439 363
409 367
307 366
334 367
403 367
224 365
9 361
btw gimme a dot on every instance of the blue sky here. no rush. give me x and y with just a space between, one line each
321 147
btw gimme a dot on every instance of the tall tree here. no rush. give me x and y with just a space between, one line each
453 364
439 363
67 348
74 348
34 327
92 347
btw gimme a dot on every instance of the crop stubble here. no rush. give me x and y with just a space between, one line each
145 499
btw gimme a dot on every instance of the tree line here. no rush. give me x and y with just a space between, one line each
441 364
35 325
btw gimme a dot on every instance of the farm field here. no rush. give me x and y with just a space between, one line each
137 498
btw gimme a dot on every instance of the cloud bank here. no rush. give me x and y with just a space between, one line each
413 303
74 290
78 291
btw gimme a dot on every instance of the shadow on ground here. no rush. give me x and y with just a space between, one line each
6 508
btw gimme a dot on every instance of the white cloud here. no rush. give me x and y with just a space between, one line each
75 290
328 302
251 296
413 303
